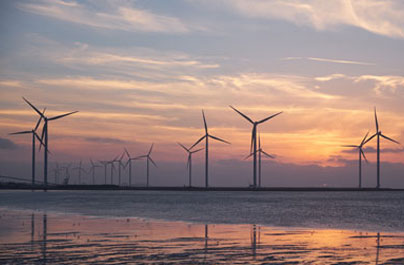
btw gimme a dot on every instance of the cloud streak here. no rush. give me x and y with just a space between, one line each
326 60
104 15
379 17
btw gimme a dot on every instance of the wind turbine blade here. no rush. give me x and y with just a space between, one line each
151 148
218 139
377 124
245 158
353 146
151 160
61 116
364 139
189 158
32 106
39 139
120 158
197 150
270 117
92 163
370 138
42 135
22 132
39 120
139 157
242 114
127 153
268 155
363 154
183 147
204 122
252 137
388 138
197 142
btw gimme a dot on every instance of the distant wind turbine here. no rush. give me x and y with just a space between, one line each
378 134
206 137
148 158
129 162
45 133
260 152
361 153
111 162
189 162
120 165
92 170
253 145
34 135
105 164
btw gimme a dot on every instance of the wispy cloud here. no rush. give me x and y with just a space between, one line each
105 140
107 15
381 83
379 17
370 149
326 60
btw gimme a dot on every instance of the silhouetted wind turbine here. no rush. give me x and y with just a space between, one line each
130 165
45 132
148 158
111 162
361 153
253 146
105 164
378 134
120 164
260 152
206 137
189 162
92 170
34 135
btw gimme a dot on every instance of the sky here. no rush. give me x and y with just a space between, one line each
140 72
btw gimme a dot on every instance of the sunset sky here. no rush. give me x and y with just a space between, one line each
140 72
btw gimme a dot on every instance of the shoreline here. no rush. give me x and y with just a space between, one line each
18 186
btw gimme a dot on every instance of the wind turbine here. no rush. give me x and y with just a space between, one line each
206 137
378 134
130 165
45 133
253 146
34 135
361 153
148 158
79 169
260 152
111 162
189 162
92 170
120 164
105 164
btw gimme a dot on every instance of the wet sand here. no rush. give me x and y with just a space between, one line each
28 237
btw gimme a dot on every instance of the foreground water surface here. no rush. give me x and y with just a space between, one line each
142 227
369 211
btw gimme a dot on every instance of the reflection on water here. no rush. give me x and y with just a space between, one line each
42 238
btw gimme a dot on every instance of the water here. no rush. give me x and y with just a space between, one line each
364 211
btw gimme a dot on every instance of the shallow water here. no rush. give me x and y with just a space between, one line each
35 237
366 211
